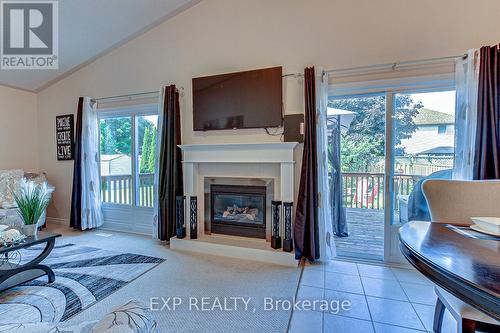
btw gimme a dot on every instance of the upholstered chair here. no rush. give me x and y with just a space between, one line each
455 202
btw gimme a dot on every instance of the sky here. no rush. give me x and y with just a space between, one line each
443 101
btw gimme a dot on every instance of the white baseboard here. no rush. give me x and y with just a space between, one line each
57 220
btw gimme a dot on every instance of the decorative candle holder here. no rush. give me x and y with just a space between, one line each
287 220
180 222
275 236
193 217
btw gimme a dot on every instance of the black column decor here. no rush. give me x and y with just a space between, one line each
193 217
287 220
180 223
275 237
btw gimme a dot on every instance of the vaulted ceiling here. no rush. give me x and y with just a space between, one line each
89 29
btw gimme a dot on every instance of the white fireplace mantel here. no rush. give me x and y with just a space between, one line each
281 152
230 156
263 161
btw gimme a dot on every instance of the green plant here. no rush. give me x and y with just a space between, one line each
32 200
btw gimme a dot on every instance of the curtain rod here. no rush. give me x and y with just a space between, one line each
180 90
395 65
392 66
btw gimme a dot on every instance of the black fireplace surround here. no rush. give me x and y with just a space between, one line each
238 210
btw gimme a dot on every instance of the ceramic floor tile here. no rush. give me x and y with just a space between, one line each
343 282
420 293
306 322
375 271
358 306
384 328
411 276
310 293
313 278
383 288
426 315
393 312
317 265
341 267
333 323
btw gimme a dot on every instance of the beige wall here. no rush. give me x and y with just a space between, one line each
18 130
218 36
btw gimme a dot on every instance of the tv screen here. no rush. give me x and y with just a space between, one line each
250 99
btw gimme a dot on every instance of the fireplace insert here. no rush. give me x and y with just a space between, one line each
238 210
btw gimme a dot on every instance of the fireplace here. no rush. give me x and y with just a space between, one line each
238 210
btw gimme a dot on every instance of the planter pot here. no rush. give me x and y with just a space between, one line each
30 229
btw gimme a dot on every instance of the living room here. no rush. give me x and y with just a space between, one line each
210 162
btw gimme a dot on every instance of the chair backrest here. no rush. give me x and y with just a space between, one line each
453 201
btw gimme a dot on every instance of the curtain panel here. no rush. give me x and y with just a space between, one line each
169 163
75 220
466 78
487 154
306 215
325 221
86 210
91 181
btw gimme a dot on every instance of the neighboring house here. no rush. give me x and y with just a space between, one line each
435 134
116 164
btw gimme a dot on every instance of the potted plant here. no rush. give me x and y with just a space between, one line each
32 200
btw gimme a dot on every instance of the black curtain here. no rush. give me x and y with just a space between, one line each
306 216
75 220
487 154
170 165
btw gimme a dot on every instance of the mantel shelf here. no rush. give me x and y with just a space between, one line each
246 146
278 152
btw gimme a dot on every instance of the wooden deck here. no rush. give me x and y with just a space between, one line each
366 233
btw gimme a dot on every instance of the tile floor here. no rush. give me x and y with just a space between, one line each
380 299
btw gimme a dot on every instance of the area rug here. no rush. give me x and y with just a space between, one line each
84 276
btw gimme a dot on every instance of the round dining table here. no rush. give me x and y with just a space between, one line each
463 262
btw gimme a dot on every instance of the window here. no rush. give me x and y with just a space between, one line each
127 155
442 129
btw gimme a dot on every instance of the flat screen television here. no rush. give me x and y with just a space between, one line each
250 99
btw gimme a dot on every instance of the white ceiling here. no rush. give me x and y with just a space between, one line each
90 28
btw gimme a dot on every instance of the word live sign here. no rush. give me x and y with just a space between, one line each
65 137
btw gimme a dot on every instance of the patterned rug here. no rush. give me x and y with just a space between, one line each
84 276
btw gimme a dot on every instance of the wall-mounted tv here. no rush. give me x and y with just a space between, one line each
250 99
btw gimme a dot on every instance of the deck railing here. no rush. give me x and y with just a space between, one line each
366 190
117 189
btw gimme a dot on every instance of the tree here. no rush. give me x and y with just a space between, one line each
145 152
116 134
359 155
363 142
107 144
152 152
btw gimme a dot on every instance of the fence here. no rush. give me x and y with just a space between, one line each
117 189
366 190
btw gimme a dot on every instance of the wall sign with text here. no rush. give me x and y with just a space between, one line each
65 137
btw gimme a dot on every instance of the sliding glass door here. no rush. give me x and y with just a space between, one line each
387 143
127 166
357 124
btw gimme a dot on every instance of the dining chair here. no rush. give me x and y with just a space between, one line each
452 201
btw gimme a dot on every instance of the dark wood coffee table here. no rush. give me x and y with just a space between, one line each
13 273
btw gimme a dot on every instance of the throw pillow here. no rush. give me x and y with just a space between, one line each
9 182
